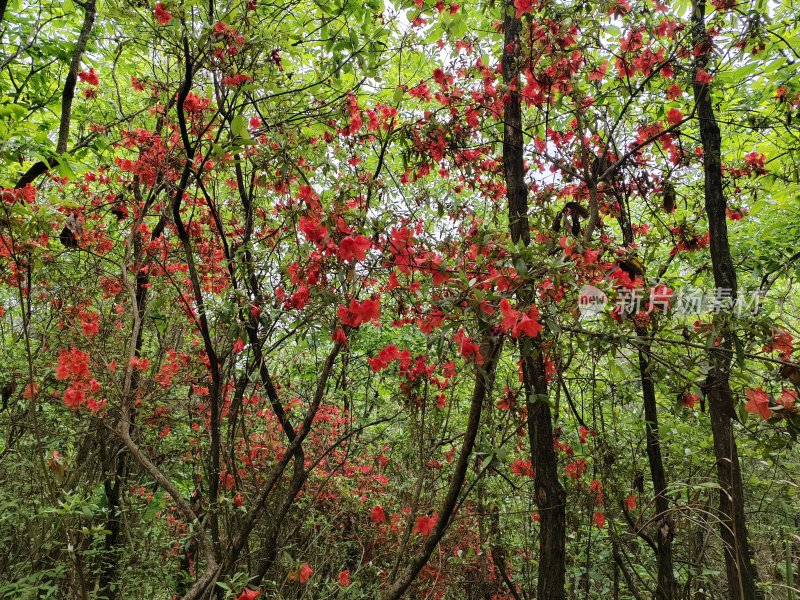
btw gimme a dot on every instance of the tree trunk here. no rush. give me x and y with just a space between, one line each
666 585
666 577
550 495
67 96
739 568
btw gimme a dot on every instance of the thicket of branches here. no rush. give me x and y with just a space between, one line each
293 299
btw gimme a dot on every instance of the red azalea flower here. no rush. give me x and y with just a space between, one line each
304 573
377 515
162 15
758 403
425 525
344 578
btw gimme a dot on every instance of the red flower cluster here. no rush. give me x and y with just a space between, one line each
89 77
353 248
425 524
359 312
781 341
378 515
162 15
313 230
520 323
522 468
73 366
385 356
759 403
468 349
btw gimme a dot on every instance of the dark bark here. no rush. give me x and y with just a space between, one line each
490 349
215 389
513 165
237 544
550 495
499 554
296 452
110 565
665 526
666 586
270 547
739 568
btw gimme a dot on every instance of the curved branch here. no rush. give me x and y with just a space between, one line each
67 96
490 348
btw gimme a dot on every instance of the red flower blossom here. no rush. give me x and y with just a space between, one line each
359 312
162 15
757 162
576 469
312 229
344 578
425 525
353 248
522 468
584 432
237 79
377 515
788 399
74 397
304 573
339 336
510 315
468 349
703 77
528 325
520 324
674 92
599 520
385 356
596 488
689 400
781 341
674 116
523 7
72 364
758 403
89 77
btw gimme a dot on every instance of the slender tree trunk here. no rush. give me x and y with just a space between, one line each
666 576
513 165
666 585
119 464
550 495
112 486
739 568
215 365
270 542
